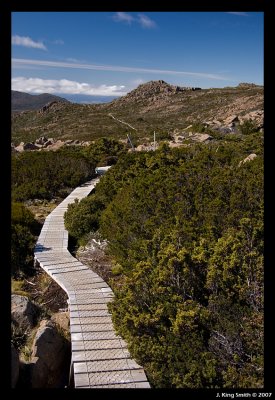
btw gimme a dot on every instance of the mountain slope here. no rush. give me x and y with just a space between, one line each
155 105
21 101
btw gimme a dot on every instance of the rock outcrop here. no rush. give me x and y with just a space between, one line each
246 85
43 143
230 123
49 358
23 312
153 90
256 116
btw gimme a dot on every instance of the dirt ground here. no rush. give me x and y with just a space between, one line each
46 292
42 208
94 255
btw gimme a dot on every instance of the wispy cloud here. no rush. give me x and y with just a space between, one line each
58 42
38 86
239 13
137 81
18 62
27 42
123 17
143 20
146 22
71 59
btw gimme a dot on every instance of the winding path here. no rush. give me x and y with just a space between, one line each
122 122
100 358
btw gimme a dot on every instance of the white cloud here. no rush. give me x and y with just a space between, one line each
18 62
27 42
239 13
146 22
38 86
123 17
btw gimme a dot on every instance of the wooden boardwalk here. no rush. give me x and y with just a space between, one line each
100 358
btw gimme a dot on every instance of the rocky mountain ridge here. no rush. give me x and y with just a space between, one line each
151 90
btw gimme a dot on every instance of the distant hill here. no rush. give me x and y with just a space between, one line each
152 106
21 101
89 99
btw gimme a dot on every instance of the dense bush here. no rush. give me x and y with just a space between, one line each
105 151
185 228
45 174
23 230
83 217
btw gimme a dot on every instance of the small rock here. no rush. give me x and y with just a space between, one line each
48 143
41 140
23 312
188 127
216 122
201 137
20 147
231 119
30 146
39 215
248 158
62 319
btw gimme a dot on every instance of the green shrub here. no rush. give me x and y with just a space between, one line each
83 217
247 127
184 228
23 229
46 174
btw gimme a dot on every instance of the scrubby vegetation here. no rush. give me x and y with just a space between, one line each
145 114
185 230
44 175
248 127
23 230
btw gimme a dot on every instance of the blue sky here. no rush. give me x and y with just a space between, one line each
111 53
